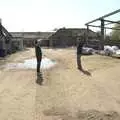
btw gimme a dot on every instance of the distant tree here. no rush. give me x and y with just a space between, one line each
63 28
116 33
55 29
107 37
98 33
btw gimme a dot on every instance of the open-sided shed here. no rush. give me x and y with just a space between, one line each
103 25
5 41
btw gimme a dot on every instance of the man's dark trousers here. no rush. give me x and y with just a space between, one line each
38 63
38 53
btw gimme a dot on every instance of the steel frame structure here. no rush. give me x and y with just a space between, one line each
103 25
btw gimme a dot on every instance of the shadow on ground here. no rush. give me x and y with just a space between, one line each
85 72
63 114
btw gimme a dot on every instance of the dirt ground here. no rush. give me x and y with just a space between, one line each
66 93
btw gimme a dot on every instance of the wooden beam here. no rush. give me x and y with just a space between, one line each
104 27
102 35
107 15
3 28
87 34
111 22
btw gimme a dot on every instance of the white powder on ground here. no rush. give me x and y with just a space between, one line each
31 64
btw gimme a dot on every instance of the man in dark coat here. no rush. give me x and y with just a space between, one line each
80 44
38 53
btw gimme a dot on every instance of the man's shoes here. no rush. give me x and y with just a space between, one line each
39 78
38 81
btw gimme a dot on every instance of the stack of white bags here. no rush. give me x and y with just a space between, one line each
110 50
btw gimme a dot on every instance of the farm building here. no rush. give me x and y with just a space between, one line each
17 41
44 42
29 37
5 41
61 38
67 37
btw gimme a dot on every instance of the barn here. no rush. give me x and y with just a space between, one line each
17 41
66 37
28 38
5 41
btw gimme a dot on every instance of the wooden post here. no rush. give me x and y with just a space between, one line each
102 35
87 35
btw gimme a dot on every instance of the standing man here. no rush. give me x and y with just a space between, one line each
38 53
80 44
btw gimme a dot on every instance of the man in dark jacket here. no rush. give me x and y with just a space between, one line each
80 44
38 53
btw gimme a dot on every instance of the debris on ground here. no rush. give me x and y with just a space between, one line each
87 51
110 50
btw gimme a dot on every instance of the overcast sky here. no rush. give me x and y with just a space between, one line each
45 15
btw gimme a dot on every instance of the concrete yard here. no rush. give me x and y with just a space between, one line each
66 93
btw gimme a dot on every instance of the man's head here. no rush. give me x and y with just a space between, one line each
37 42
80 40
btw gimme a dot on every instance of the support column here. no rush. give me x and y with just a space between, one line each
102 35
87 34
